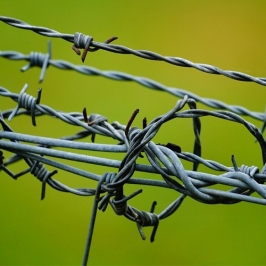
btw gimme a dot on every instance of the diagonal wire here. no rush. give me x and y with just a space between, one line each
122 76
139 53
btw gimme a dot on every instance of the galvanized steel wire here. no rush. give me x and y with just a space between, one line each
136 142
44 60
82 41
165 161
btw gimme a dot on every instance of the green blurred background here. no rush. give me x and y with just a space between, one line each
227 34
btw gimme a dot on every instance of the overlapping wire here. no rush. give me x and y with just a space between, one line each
86 42
165 160
135 142
194 184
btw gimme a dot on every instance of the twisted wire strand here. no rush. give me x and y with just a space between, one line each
117 75
40 30
49 142
107 162
32 105
37 169
163 161
86 42
222 179
114 126
141 138
189 113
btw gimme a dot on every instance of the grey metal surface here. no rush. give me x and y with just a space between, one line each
133 143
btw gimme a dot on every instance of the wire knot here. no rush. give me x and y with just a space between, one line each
39 171
95 119
147 218
120 206
27 102
40 60
82 41
119 202
133 132
36 59
107 179
144 219
249 170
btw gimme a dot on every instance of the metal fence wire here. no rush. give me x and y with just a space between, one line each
165 159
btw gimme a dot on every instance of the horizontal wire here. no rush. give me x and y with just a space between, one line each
62 143
113 163
164 160
100 147
69 118
121 76
110 148
27 150
177 61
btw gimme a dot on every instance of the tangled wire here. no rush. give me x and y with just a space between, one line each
164 160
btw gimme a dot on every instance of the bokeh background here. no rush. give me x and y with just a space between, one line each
227 34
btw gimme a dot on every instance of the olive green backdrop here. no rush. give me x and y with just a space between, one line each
227 34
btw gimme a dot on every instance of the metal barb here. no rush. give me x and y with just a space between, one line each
28 102
153 206
131 121
144 122
145 82
40 60
234 163
197 185
166 161
82 41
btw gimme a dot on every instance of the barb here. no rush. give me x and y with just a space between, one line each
149 83
140 141
164 160
35 108
131 121
83 41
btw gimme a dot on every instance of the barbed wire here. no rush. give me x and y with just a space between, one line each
44 60
118 148
133 141
164 160
82 41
